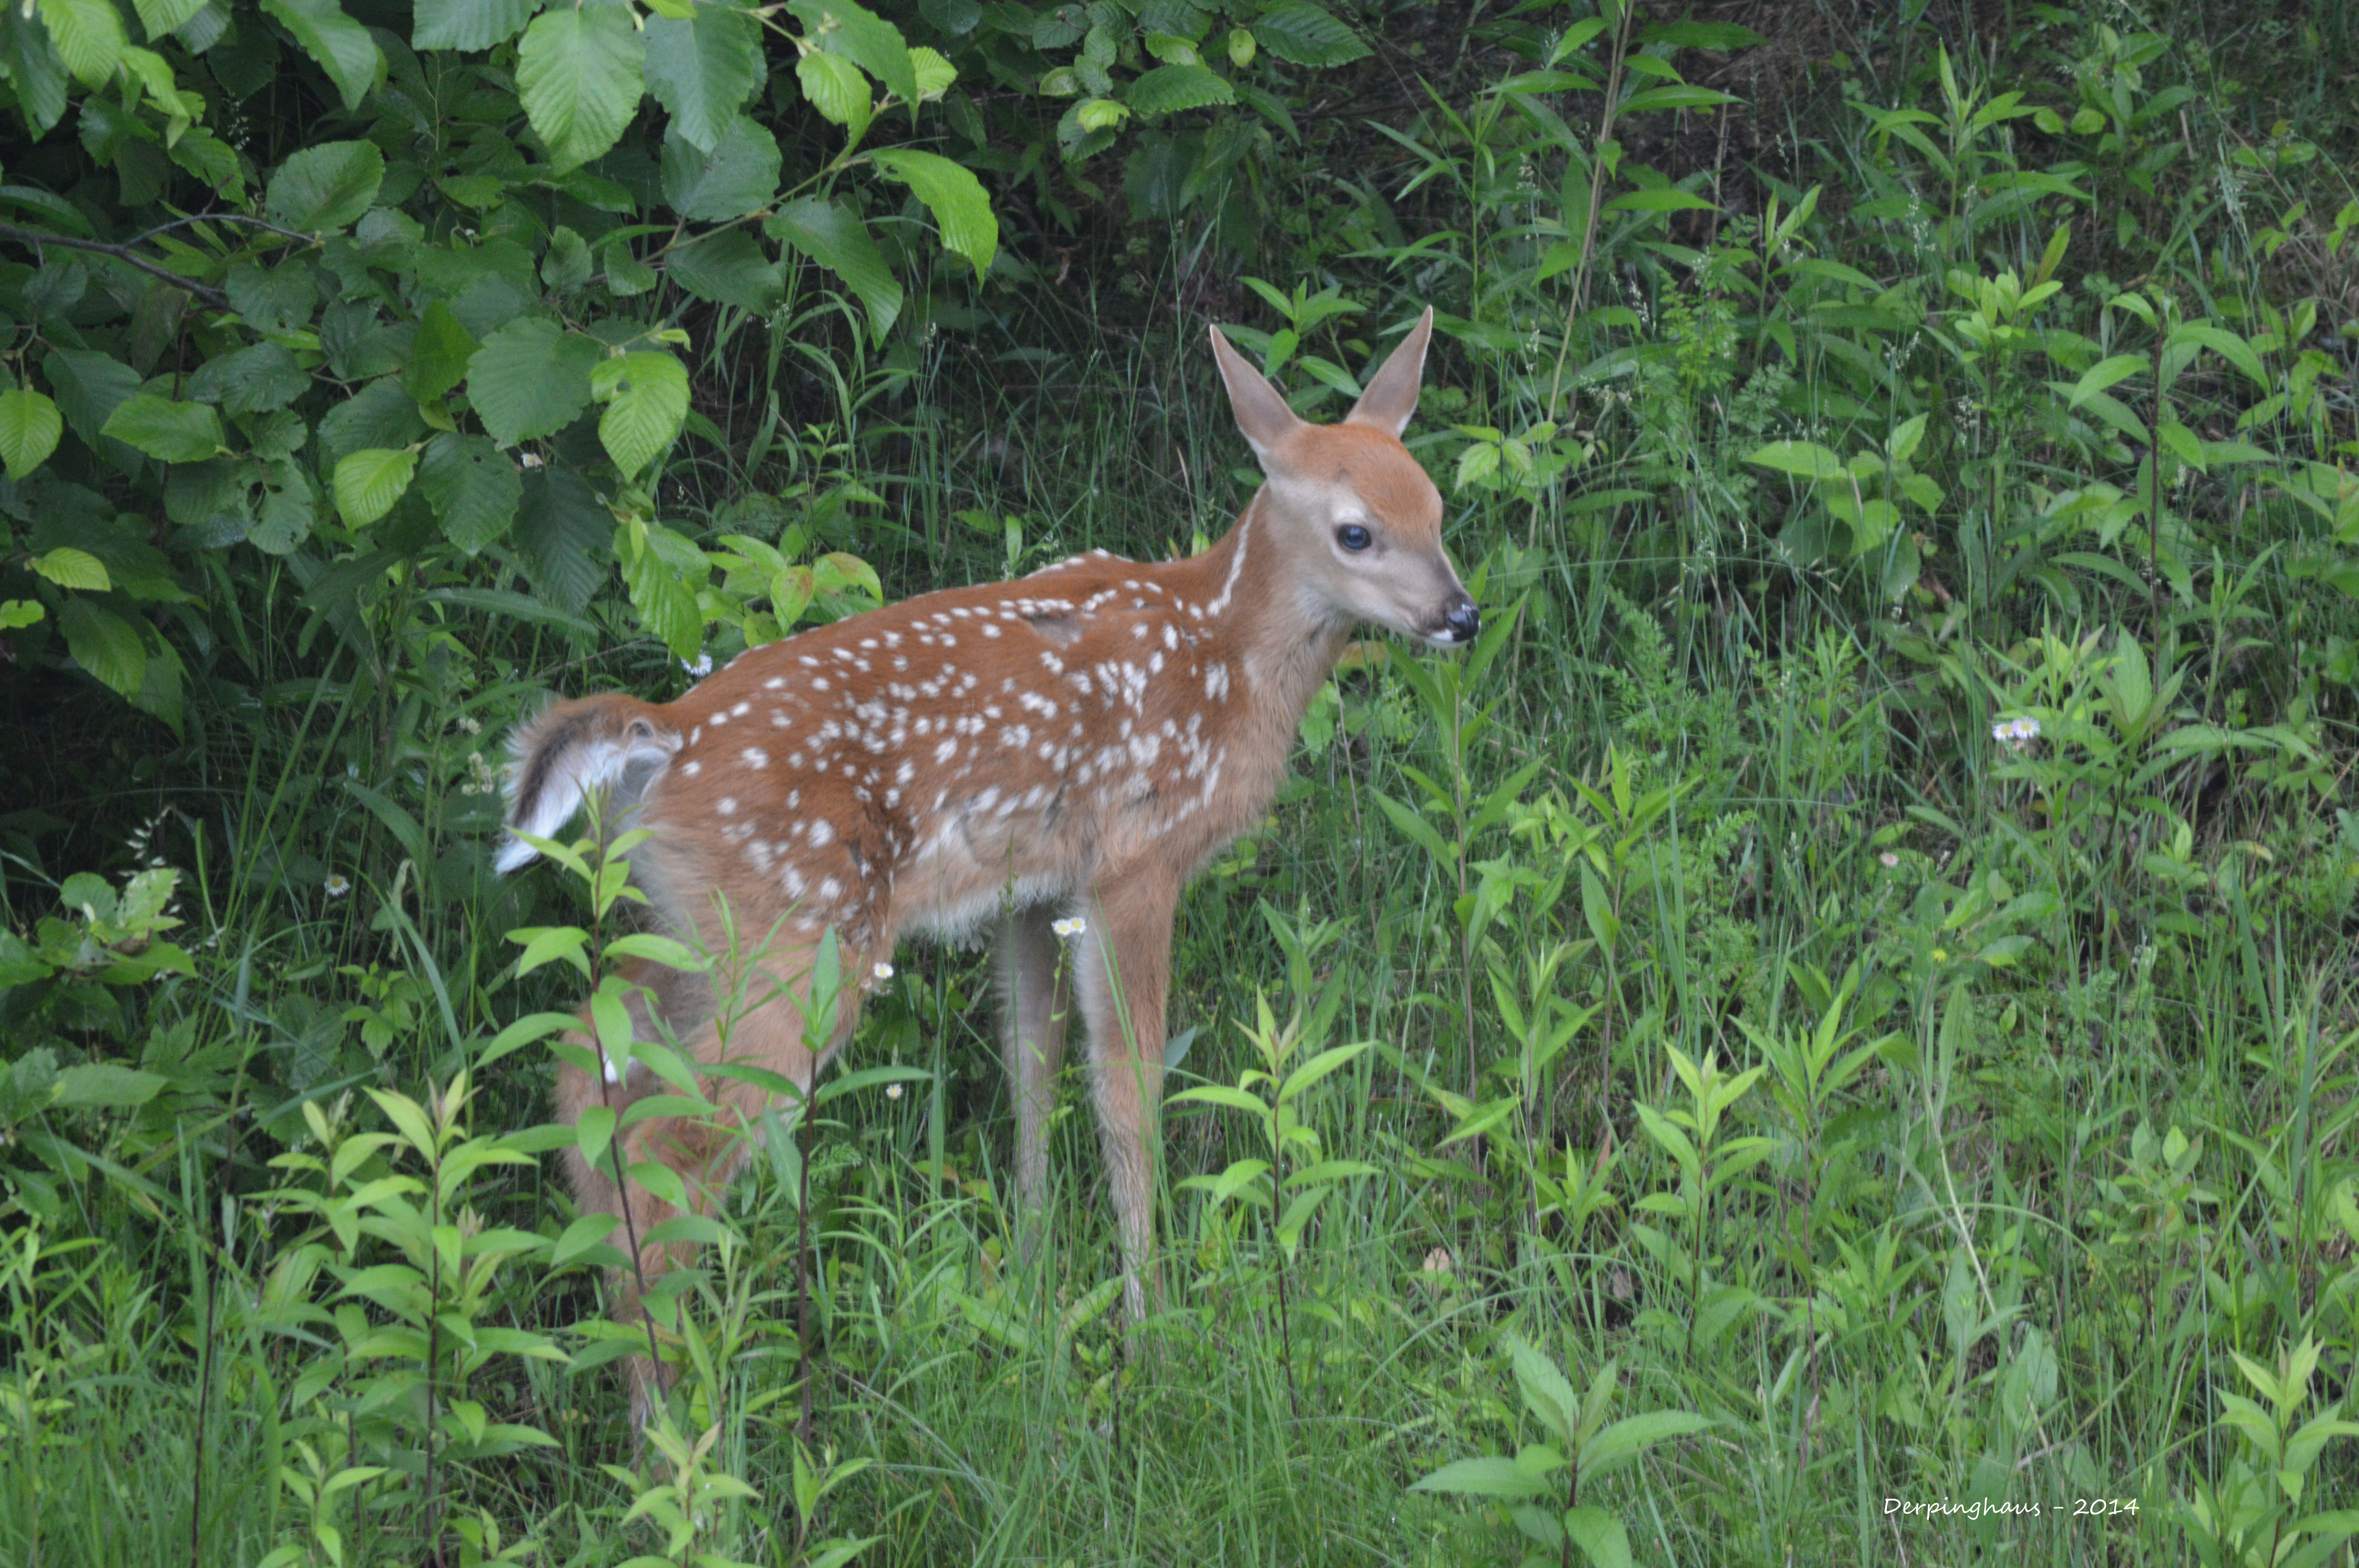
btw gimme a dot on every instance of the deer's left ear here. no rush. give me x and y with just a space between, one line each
1391 395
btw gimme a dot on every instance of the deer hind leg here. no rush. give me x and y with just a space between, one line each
1036 1003
1121 969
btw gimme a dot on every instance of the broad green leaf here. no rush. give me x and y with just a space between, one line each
560 538
440 352
76 570
1599 1535
1302 34
1663 199
738 175
2104 374
666 603
578 71
89 36
286 518
325 187
593 1130
105 1086
165 430
251 380
467 24
953 195
1487 1478
645 396
530 379
104 644
369 481
1546 1393
702 69
1170 88
29 427
1805 459
1416 829
728 268
835 237
161 17
1628 1438
15 615
868 40
837 90
474 487
342 46
30 56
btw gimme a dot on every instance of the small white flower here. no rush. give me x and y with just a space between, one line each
892 1091
613 1068
1070 928
336 885
699 667
882 971
1889 859
470 725
531 459
2015 731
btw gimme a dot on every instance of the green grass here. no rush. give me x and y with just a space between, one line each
2028 1158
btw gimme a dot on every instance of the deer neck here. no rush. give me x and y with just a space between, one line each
1282 642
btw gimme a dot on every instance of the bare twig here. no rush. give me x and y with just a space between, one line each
34 237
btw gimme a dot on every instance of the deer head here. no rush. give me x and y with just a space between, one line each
1355 519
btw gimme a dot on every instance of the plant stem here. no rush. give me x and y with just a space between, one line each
1596 189
1285 1323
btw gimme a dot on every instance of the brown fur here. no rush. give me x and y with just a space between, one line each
1079 741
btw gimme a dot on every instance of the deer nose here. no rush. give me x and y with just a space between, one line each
1464 620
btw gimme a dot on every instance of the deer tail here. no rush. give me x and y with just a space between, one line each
613 744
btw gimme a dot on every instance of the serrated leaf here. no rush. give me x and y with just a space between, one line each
835 237
1170 88
342 46
161 17
165 430
474 487
77 570
578 73
953 195
29 427
561 536
728 268
837 90
666 603
467 24
285 520
438 353
370 480
646 397
33 69
89 36
738 174
325 187
1302 34
530 379
702 69
868 40
104 644
251 380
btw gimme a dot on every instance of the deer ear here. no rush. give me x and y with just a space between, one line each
1391 395
1263 416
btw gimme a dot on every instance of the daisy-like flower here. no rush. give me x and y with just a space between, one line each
336 885
882 971
2015 731
699 667
892 1091
1070 928
1889 860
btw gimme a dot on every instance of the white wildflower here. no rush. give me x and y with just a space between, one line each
336 885
892 1091
882 971
1070 928
2015 731
1889 860
531 459
699 667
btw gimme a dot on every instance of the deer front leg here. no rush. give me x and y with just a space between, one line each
1121 969
1036 1002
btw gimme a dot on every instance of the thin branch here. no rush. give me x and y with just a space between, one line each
211 296
224 218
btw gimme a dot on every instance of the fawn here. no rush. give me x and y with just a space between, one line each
1077 742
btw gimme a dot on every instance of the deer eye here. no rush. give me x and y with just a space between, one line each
1353 537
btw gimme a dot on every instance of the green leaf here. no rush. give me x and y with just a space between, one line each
646 397
165 430
666 603
286 519
1302 34
76 570
1171 89
325 187
1627 1439
728 268
834 236
530 379
104 644
1487 1478
29 55
104 1086
440 354
89 36
29 427
837 90
1663 199
161 17
1599 1535
467 24
738 174
578 71
1416 829
561 537
868 40
474 487
370 480
2104 374
342 46
1804 460
953 195
251 380
702 69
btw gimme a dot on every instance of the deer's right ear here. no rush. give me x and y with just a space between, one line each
1262 415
